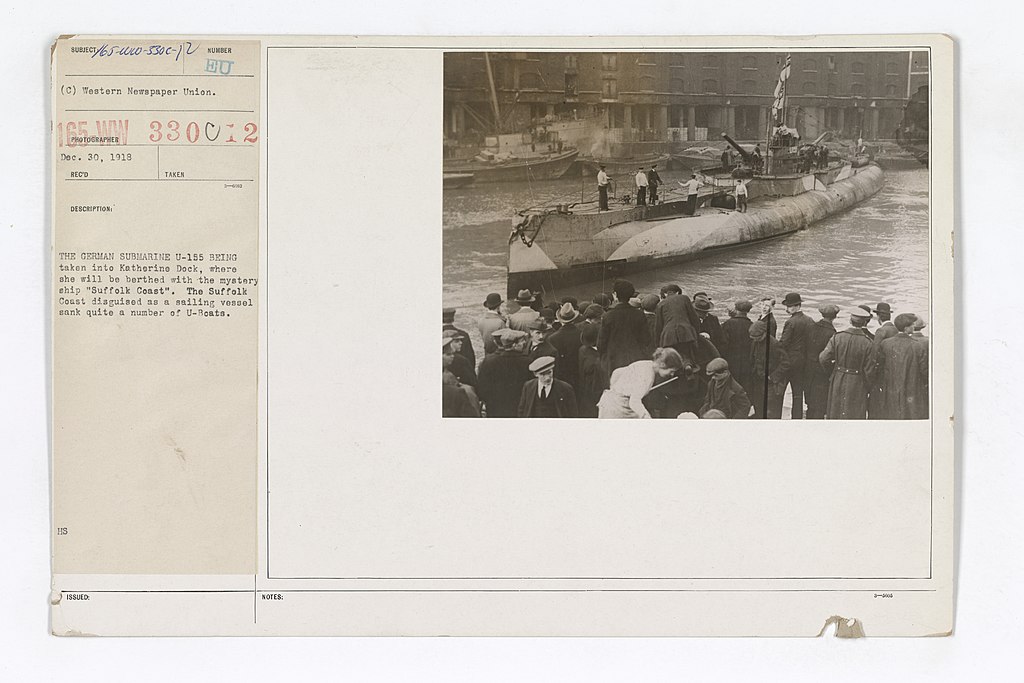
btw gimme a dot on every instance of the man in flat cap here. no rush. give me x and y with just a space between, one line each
502 374
795 335
901 364
736 342
847 360
885 330
491 321
545 396
724 393
624 337
816 382
448 323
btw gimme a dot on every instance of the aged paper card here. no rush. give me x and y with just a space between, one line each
252 241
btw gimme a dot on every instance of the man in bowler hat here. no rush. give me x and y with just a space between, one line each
796 334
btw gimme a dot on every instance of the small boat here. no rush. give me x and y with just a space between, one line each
452 180
623 166
490 168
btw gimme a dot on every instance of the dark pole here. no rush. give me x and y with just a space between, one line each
767 355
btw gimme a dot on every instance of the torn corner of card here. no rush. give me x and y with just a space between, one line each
252 237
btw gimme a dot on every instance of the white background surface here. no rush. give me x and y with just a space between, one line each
986 645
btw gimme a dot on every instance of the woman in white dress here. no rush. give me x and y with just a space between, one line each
630 384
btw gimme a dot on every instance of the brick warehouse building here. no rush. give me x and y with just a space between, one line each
658 97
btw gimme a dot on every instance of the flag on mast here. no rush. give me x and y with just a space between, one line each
780 91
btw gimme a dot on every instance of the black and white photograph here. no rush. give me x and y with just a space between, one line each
694 234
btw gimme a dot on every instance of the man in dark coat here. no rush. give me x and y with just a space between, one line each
795 335
459 365
592 380
448 323
815 378
847 360
736 343
901 363
503 374
566 342
724 393
886 329
708 322
454 401
765 305
764 347
920 338
624 337
539 345
649 305
653 181
676 323
545 396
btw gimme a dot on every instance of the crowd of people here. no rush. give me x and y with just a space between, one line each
666 355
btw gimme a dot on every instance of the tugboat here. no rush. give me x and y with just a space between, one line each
793 186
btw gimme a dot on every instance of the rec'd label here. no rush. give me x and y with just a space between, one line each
156 147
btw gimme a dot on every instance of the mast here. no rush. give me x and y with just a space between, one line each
494 94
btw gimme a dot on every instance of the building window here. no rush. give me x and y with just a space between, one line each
832 89
571 62
890 90
646 59
647 83
810 65
809 87
609 90
609 61
749 63
748 87
530 81
677 59
711 61
892 69
572 85
677 85
857 68
856 88
709 85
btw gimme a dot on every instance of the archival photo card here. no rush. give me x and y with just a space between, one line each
749 236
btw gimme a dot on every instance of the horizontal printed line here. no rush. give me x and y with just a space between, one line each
598 578
181 111
530 590
163 180
97 75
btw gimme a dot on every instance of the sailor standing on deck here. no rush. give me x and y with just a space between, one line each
654 180
602 189
692 186
641 187
741 196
